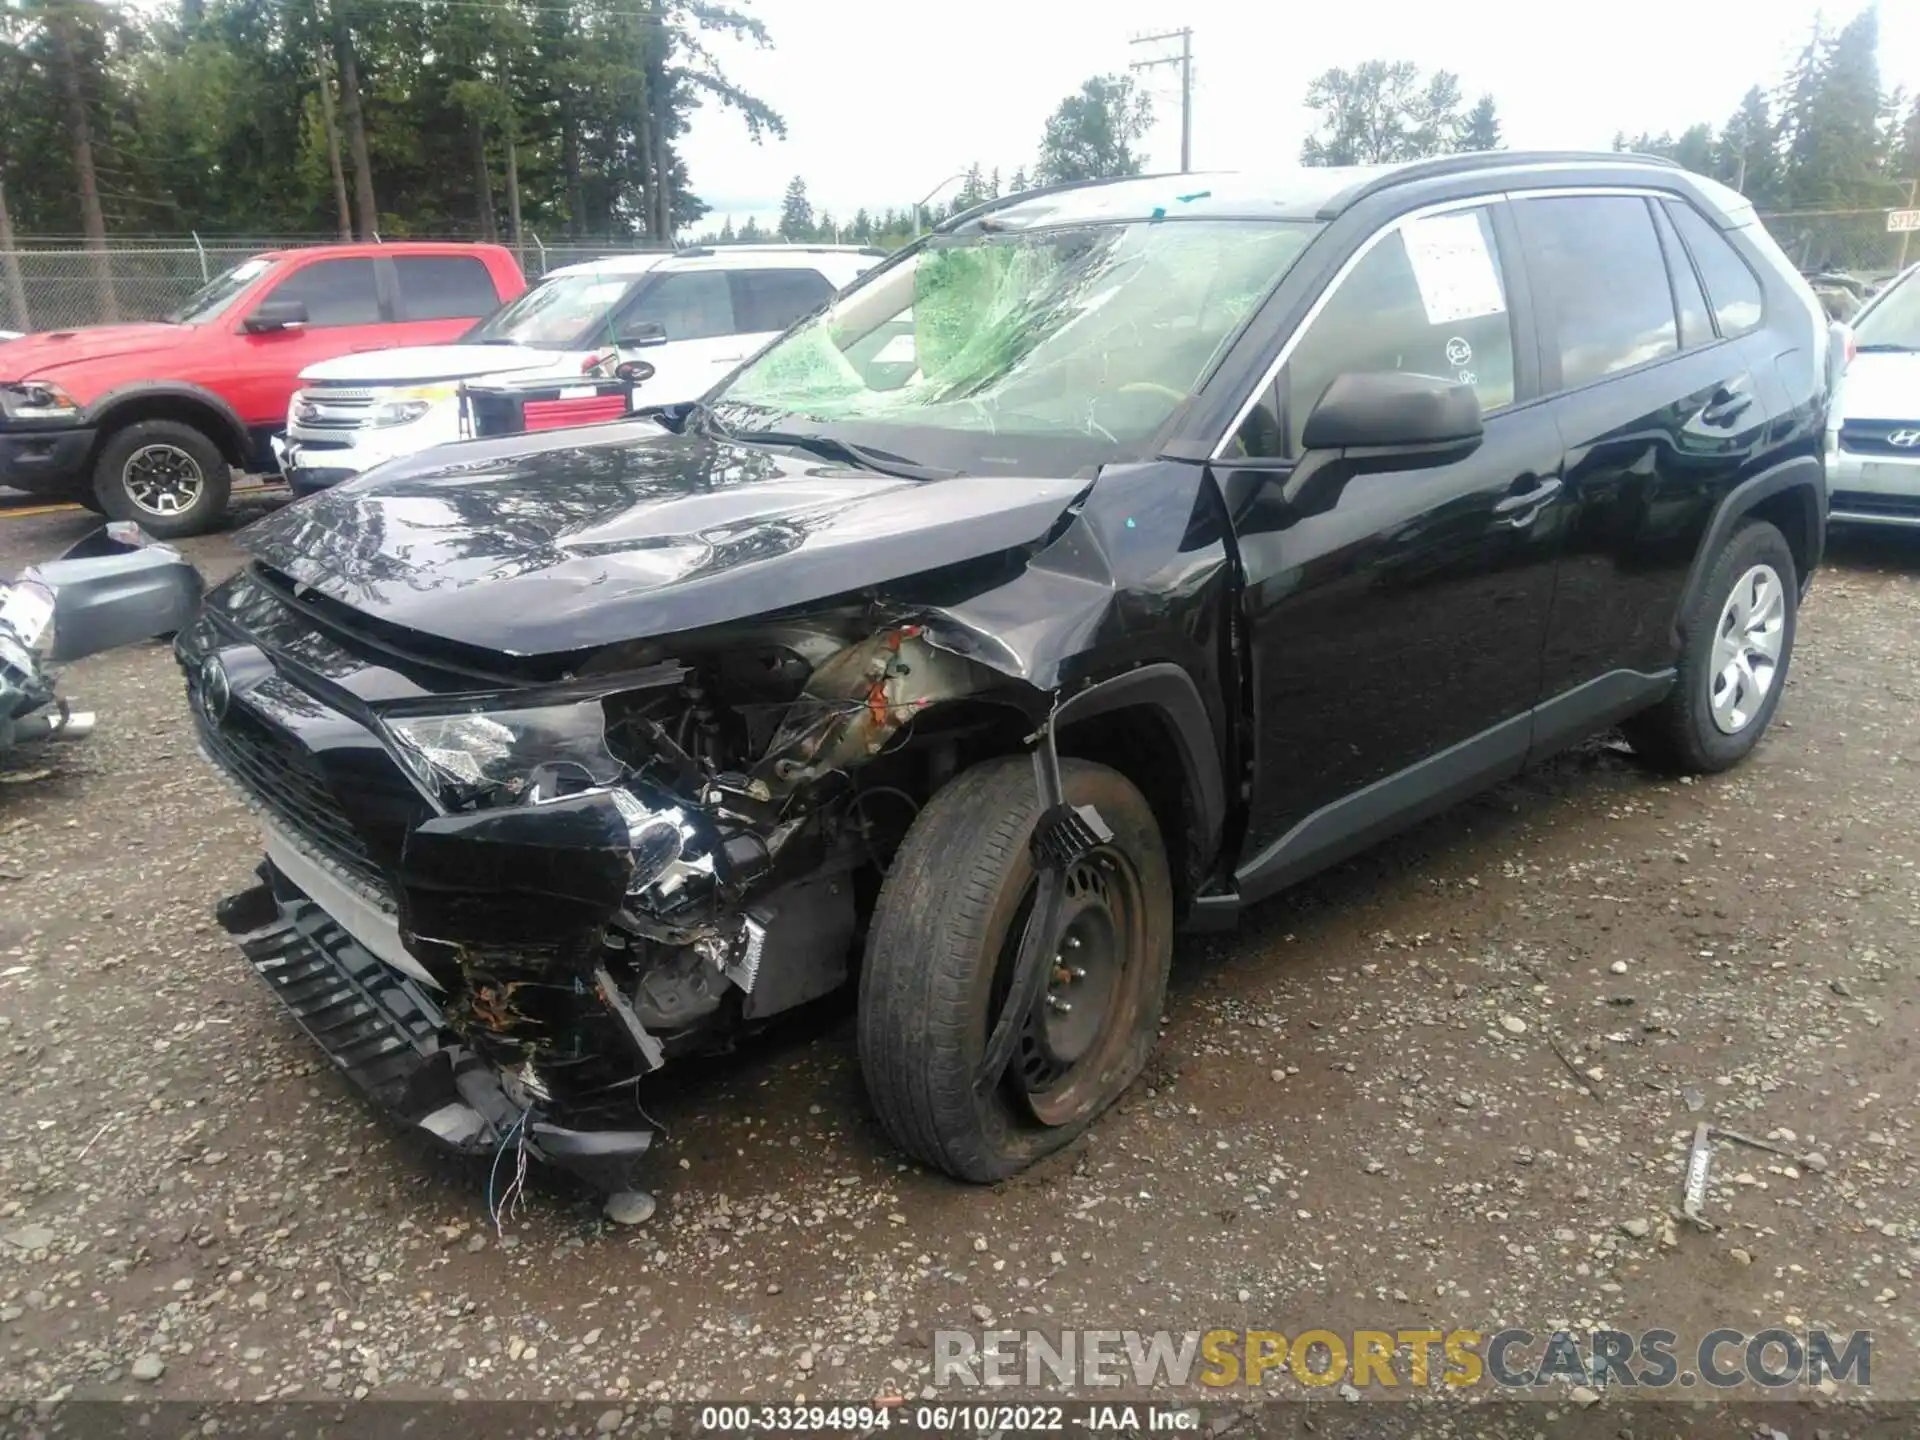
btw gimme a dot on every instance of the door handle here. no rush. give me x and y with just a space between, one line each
1525 505
1725 406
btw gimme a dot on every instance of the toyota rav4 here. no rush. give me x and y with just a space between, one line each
1103 563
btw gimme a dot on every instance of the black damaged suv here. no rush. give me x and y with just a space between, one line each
1113 558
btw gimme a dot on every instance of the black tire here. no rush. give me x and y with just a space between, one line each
186 451
1679 735
939 956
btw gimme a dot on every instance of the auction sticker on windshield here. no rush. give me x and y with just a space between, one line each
1453 268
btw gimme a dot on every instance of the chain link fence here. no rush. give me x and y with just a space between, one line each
58 284
1849 242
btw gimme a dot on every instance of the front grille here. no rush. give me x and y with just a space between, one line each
331 409
1875 437
271 769
375 1023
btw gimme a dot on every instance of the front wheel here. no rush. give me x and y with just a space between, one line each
168 477
940 958
1737 643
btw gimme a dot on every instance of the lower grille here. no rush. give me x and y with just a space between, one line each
1875 437
271 770
375 1023
1869 502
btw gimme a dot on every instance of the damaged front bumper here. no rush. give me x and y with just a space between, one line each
386 1032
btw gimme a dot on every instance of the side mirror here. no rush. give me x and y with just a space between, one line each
1380 421
642 333
271 315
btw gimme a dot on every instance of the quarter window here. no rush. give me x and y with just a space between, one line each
1604 283
765 300
1428 298
447 287
335 292
1731 285
690 305
1696 326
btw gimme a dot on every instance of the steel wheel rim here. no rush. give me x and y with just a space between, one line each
163 480
1747 646
1063 1058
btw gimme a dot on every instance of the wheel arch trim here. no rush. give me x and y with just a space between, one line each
108 413
1167 691
1802 473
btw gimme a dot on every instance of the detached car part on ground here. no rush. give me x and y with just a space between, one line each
1115 557
111 588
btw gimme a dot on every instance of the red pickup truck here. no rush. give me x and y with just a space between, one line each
146 422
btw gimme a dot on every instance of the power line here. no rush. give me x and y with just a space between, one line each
1185 61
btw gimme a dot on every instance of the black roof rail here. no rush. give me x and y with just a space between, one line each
749 247
1001 202
1476 161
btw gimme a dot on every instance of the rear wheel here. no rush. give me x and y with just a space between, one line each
940 960
167 477
1737 644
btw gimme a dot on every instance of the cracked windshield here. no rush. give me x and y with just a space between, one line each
1095 332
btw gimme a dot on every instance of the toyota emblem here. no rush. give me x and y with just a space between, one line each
216 691
1905 439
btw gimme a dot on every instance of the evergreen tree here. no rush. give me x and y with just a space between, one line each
1747 155
796 214
1482 128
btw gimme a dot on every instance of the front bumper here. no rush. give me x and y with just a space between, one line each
1877 487
45 462
385 1031
308 471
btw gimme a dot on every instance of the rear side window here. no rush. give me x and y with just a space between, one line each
335 292
774 299
450 287
1696 326
1429 298
690 305
1604 283
1732 288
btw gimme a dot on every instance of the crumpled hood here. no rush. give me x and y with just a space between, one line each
39 357
1880 385
417 363
630 533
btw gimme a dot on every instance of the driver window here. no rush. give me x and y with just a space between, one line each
1428 299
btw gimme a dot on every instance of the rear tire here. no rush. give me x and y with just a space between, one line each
1736 647
167 477
940 954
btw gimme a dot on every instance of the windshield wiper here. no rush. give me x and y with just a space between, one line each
844 451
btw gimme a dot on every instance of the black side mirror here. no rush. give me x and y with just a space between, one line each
1376 422
642 333
272 315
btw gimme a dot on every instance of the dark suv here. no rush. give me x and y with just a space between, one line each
1109 560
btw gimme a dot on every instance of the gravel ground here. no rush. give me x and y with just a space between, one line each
1450 1084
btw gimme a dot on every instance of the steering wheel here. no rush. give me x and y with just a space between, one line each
1152 387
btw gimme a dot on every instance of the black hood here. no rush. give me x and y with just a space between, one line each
524 550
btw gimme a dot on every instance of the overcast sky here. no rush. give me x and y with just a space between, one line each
885 98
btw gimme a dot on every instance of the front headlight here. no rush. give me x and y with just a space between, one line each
479 759
26 609
404 407
42 400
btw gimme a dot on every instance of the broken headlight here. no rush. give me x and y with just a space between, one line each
479 758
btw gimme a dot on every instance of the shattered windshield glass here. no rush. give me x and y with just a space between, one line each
1095 332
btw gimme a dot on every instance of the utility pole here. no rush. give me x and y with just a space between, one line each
1185 61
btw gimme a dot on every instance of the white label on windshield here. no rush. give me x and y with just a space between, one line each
1453 268
604 293
897 351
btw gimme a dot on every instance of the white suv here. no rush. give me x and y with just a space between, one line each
693 315
1873 428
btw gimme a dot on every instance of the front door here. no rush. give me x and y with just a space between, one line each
694 310
1396 637
344 314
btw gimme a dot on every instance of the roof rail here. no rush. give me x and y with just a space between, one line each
1475 161
779 249
1000 202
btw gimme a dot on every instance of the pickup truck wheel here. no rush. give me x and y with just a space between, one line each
940 957
168 477
1737 645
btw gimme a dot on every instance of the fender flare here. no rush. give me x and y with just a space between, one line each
237 437
1802 472
1168 690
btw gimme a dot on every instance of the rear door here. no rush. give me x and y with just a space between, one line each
345 312
438 297
1663 401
